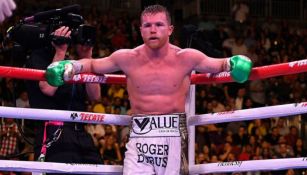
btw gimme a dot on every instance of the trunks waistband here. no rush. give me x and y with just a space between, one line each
166 125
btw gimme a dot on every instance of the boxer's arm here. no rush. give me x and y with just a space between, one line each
203 63
238 65
106 64
57 72
97 66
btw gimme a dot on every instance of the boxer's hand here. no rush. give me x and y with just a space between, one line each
6 8
59 72
240 68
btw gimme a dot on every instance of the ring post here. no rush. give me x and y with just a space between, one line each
190 111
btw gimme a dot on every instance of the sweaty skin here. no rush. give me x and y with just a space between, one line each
158 73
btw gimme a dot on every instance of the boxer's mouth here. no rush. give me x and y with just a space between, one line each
153 38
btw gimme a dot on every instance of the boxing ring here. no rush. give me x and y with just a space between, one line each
294 67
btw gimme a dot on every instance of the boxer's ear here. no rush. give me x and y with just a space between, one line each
170 29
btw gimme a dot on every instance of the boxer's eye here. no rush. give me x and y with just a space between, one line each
146 25
159 24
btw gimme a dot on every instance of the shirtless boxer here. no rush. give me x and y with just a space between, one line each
158 78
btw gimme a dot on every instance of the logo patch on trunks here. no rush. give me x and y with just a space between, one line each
155 126
141 124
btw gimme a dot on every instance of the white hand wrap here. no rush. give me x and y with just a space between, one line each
77 66
227 66
72 69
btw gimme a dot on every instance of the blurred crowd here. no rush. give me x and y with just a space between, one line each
265 42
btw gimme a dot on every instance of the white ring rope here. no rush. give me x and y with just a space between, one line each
86 117
50 167
249 114
66 116
221 167
250 165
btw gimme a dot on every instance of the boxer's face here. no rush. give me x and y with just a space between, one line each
155 30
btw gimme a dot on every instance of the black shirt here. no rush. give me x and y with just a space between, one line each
67 97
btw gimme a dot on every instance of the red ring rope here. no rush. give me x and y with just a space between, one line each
223 77
257 73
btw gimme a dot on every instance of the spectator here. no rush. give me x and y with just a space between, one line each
257 126
118 104
98 107
111 151
9 141
217 106
116 91
8 92
9 138
292 136
282 127
240 14
246 153
23 100
119 40
241 138
273 137
97 132
248 103
282 149
298 149
123 142
239 47
257 93
226 152
255 146
241 95
202 136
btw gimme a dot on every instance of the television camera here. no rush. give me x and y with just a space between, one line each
36 31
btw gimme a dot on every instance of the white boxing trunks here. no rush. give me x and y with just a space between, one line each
158 144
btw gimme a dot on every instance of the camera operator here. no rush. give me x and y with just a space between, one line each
73 144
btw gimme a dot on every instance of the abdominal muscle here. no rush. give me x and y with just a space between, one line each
157 104
144 101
